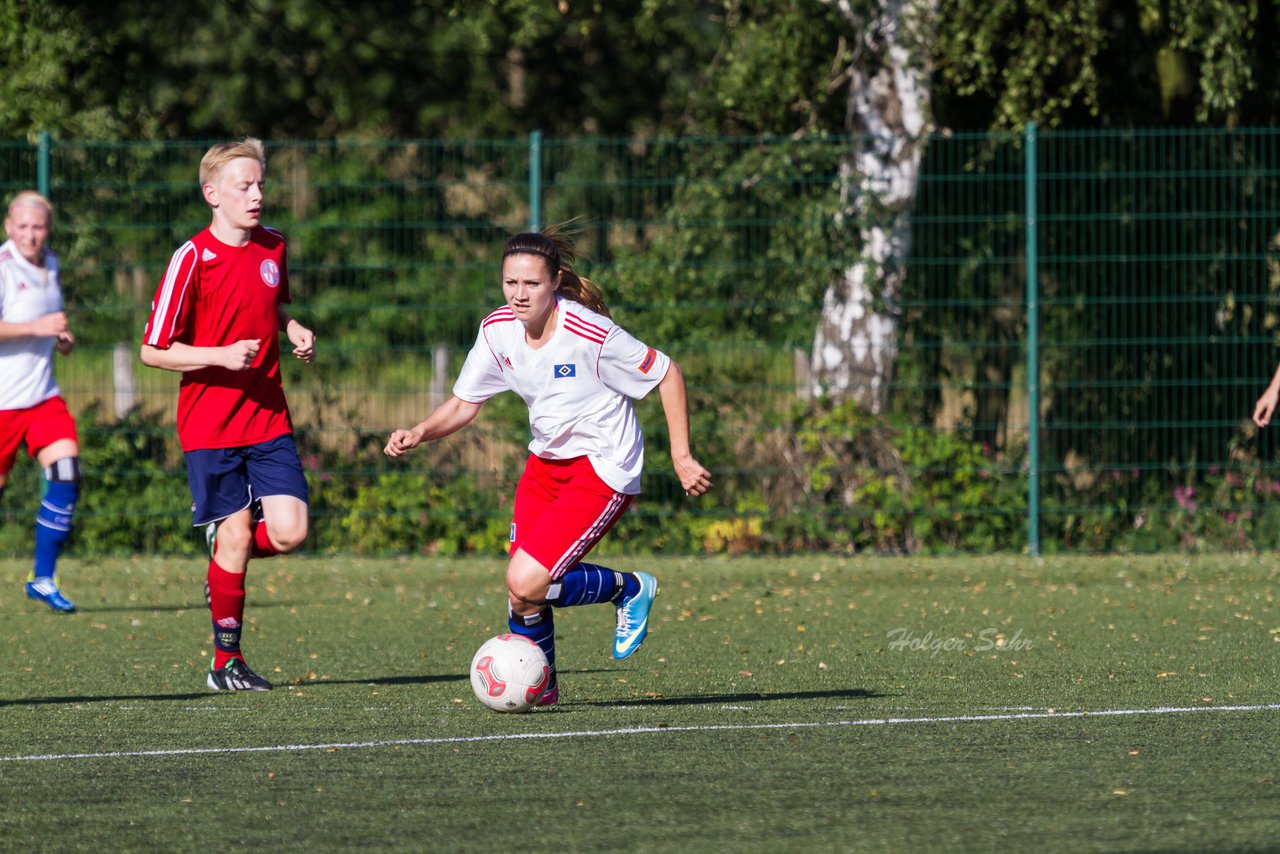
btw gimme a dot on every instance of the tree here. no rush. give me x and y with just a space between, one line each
889 117
1092 63
1067 64
314 69
50 59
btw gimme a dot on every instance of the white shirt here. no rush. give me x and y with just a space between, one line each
26 293
578 386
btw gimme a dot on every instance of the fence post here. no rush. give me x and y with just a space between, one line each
1033 346
42 164
122 380
439 389
535 180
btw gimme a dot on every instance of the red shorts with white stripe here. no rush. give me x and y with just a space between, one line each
562 509
39 427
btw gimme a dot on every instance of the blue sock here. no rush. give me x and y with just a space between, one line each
539 628
53 520
588 584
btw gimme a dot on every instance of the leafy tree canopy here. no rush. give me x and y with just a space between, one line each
496 68
1109 63
310 68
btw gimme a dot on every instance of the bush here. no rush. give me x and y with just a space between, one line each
406 511
134 496
863 482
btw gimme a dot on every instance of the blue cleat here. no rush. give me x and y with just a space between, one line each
633 617
44 590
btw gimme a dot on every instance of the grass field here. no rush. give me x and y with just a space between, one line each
807 704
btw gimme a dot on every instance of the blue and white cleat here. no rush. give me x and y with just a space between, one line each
633 617
44 590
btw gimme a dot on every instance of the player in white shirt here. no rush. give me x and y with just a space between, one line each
555 346
32 412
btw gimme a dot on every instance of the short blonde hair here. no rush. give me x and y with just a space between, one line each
31 198
224 152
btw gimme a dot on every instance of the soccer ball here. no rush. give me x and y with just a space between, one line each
509 673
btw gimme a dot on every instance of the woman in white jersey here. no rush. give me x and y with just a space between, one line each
554 344
32 412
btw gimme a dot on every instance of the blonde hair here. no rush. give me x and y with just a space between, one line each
224 152
31 198
556 244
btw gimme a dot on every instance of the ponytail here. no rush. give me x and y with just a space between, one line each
555 244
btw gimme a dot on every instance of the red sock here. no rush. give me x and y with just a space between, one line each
262 543
226 606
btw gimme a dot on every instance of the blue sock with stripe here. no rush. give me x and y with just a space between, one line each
53 520
589 584
539 628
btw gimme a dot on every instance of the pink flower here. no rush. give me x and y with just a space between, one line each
1184 496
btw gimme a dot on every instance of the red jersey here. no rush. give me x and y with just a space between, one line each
212 295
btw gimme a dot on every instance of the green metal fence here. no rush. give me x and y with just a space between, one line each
1085 327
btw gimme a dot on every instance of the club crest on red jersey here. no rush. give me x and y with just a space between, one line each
270 271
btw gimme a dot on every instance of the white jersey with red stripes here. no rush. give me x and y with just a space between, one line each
27 292
578 386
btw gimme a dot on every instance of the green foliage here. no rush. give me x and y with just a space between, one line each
1219 38
750 244
868 483
780 67
1034 62
1231 508
1082 63
308 69
52 60
131 498
414 512
858 484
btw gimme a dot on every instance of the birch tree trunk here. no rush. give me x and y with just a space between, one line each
857 338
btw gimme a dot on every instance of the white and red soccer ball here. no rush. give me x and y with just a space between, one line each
509 673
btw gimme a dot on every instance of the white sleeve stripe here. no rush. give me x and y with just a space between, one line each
161 310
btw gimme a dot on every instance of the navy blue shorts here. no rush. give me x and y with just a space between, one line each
224 481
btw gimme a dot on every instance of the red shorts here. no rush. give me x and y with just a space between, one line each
40 426
562 509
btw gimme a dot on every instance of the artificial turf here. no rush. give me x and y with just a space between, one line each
811 703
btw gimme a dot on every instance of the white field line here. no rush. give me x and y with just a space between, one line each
354 745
